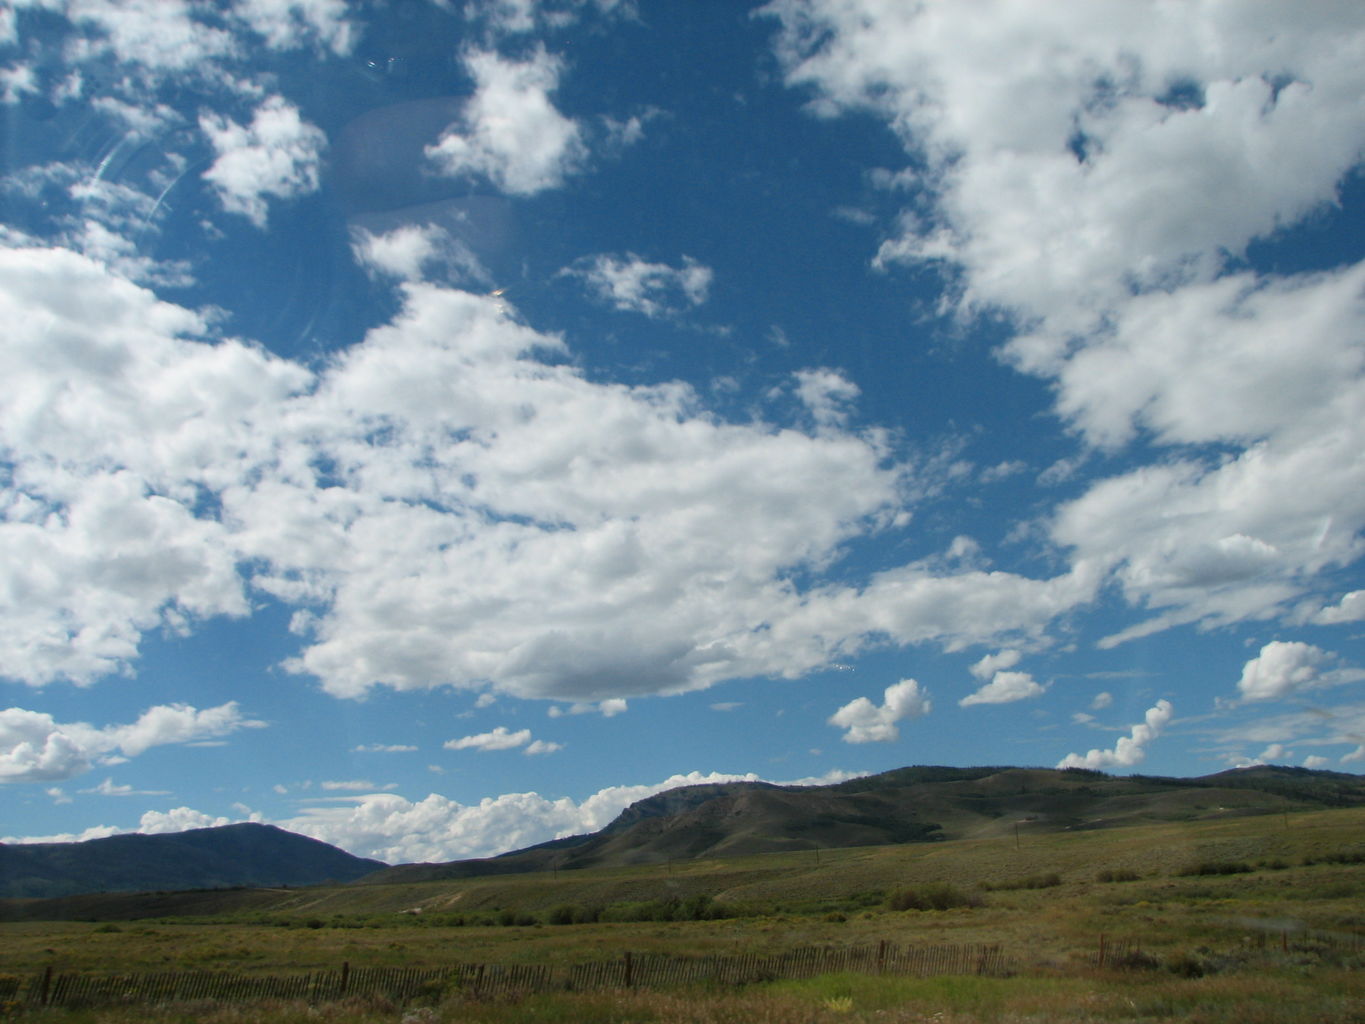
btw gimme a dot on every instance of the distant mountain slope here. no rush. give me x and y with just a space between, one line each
207 858
916 804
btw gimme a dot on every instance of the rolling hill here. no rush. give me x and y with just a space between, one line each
246 854
919 804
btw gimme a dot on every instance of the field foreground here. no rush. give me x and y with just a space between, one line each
1245 919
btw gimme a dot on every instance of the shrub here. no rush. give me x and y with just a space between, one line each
932 897
1117 875
1134 960
1186 965
1047 881
1218 867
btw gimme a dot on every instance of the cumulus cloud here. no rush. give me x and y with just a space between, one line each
638 285
34 747
1005 688
865 722
828 394
1351 608
1102 203
990 664
158 36
436 828
1285 668
414 252
509 131
289 24
448 502
277 156
1130 749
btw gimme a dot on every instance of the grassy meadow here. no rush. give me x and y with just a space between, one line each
1240 919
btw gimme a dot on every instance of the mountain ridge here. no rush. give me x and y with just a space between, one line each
224 856
914 804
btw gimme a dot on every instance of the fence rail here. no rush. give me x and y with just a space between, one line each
402 984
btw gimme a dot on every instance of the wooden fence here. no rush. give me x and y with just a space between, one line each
402 984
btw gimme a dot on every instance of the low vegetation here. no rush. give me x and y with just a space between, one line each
1281 938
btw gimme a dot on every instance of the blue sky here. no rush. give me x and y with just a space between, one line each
432 426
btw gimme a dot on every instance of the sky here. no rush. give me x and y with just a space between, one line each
431 426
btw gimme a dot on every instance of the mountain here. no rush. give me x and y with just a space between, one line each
246 854
918 804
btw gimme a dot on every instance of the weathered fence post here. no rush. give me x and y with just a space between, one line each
1101 949
628 970
345 975
881 956
47 984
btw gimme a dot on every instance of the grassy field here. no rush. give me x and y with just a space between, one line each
1238 919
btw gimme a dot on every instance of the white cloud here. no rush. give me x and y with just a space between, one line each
1285 668
990 664
1093 171
828 394
1063 169
607 709
1130 749
1005 688
1102 700
486 518
1351 608
181 819
392 829
289 24
538 747
415 252
356 786
109 788
278 155
1274 752
509 130
501 738
865 722
517 17
1316 761
637 285
157 35
93 832
34 747
15 81
383 748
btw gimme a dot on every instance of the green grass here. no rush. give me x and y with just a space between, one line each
1271 943
1263 996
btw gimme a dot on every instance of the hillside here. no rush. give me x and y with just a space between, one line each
919 804
246 854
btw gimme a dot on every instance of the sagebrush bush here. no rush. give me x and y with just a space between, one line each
1117 875
932 897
